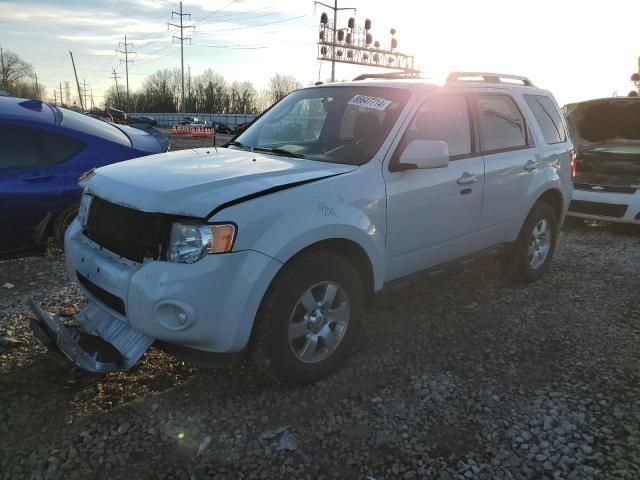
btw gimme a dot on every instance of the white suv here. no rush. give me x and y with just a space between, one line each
274 245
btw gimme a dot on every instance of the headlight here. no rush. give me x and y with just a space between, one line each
85 207
190 243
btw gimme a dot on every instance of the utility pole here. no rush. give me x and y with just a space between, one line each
182 38
115 78
126 64
4 87
55 100
61 102
334 30
77 82
37 88
84 90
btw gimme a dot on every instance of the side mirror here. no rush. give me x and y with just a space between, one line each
421 154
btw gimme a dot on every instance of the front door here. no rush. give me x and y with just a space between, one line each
433 214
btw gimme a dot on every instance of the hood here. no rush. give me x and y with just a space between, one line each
605 121
195 182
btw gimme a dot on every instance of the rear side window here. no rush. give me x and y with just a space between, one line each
28 147
502 126
548 117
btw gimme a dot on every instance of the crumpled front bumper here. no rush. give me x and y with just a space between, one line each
103 343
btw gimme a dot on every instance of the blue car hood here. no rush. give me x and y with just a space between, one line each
195 182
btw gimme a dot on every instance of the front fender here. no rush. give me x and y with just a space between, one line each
350 207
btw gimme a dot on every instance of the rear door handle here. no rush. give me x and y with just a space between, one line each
531 165
37 178
467 179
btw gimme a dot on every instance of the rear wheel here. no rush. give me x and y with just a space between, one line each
309 319
530 256
61 223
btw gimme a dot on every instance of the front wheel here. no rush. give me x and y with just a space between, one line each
309 319
530 256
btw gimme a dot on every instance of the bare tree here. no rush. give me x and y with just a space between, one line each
14 72
281 85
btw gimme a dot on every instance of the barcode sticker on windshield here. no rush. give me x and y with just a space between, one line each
370 102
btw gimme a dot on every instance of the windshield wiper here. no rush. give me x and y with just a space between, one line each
239 144
279 151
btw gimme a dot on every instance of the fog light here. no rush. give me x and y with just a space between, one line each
175 315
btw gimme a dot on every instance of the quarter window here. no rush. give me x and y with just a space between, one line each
548 117
501 124
26 147
443 118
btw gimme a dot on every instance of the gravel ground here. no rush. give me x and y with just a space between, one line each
467 377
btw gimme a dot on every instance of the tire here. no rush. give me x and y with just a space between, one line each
61 222
518 260
290 343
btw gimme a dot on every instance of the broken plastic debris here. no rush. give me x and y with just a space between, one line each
206 441
8 286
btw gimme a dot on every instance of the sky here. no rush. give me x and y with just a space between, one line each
576 49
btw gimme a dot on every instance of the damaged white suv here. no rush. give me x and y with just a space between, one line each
274 245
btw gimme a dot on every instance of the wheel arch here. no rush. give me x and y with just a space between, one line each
553 198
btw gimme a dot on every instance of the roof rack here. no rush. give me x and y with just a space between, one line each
389 75
488 78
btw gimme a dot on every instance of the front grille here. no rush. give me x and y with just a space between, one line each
112 301
598 209
603 188
127 232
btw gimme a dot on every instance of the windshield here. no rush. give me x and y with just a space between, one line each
91 126
329 124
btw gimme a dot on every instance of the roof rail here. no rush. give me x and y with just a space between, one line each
487 77
389 75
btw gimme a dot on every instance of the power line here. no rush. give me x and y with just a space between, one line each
216 11
182 38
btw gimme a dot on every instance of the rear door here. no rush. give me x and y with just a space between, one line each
32 181
511 164
433 214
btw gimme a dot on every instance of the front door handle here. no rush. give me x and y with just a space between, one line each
531 165
37 178
467 179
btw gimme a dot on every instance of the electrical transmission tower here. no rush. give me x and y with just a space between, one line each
182 38
126 61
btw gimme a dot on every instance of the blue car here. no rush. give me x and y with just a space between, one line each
44 149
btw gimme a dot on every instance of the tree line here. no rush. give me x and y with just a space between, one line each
208 92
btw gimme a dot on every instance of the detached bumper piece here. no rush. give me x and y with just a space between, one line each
103 343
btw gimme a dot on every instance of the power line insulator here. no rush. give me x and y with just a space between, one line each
635 77
394 43
339 52
324 50
351 23
349 38
324 18
365 56
377 44
368 39
376 57
322 35
349 53
367 24
393 31
341 35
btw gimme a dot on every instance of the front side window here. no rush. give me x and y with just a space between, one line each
28 147
502 126
328 124
443 118
548 117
